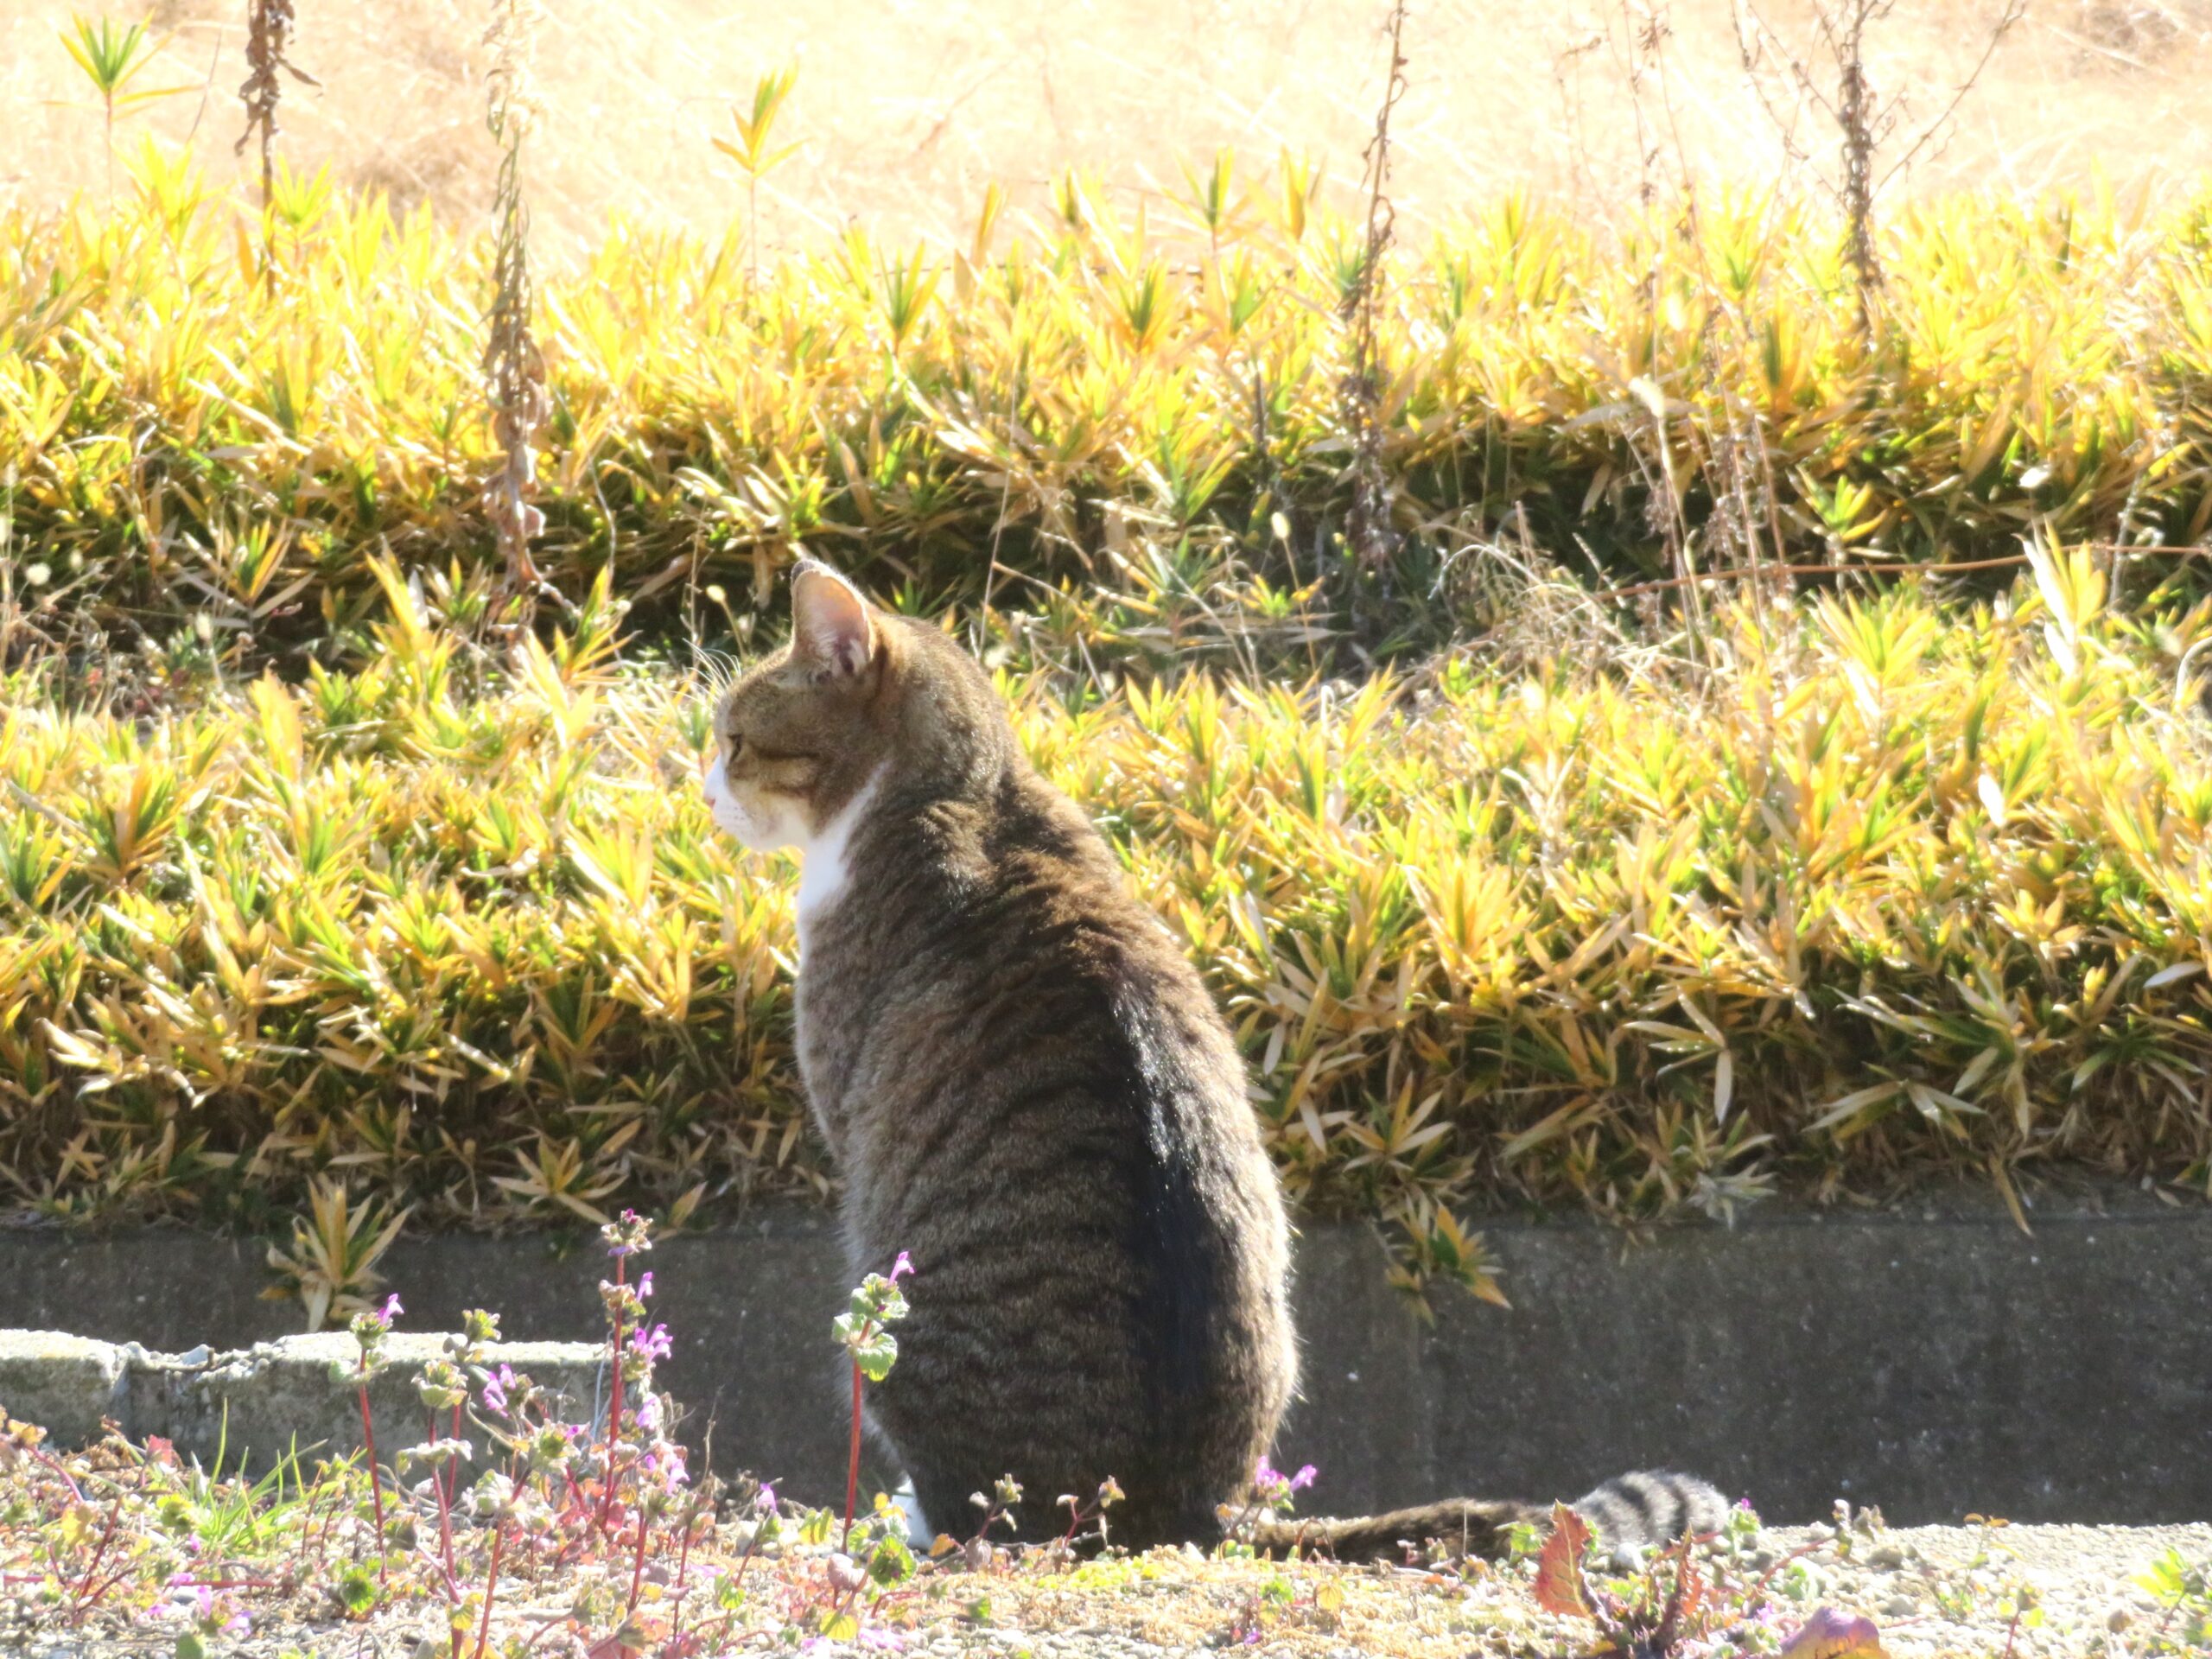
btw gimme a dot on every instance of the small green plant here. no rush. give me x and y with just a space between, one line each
1688 1599
1272 1492
331 1268
753 154
863 1330
111 58
2184 1594
370 1328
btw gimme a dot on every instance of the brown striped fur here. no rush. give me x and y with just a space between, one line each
1027 1088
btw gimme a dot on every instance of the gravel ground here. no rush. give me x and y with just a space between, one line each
1933 1590
1950 1590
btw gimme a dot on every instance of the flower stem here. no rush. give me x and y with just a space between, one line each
491 1588
853 1467
376 1489
638 1569
613 1403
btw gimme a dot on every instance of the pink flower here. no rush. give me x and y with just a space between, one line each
189 1595
765 1499
652 1345
496 1386
901 1268
391 1309
665 1465
1271 1486
646 1283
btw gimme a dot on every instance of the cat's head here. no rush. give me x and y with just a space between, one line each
856 698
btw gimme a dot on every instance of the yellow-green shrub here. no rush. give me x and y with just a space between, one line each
1089 400
1885 893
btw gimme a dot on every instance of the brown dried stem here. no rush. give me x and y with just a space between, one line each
1367 528
1863 119
269 36
514 369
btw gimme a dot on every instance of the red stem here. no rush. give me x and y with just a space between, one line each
853 1468
491 1588
376 1491
614 1402
74 1491
79 1607
683 1563
638 1572
307 1529
445 1539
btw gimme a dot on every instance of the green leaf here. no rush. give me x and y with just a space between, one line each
877 1356
892 1564
357 1590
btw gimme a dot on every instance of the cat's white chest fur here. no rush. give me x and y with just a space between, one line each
825 870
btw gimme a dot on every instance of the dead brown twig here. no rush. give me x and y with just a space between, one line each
1864 120
269 24
1367 529
514 368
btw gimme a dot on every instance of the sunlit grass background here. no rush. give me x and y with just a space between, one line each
904 115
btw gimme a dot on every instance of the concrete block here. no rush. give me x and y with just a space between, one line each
263 1403
253 1405
64 1384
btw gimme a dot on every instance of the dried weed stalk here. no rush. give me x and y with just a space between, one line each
269 37
1368 532
1864 120
514 368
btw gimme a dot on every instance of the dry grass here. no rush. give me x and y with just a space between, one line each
905 120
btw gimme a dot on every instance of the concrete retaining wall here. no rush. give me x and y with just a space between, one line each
1932 1361
255 1405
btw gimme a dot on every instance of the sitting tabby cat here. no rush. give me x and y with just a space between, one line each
1028 1088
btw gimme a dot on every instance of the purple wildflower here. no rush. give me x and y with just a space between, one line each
391 1310
764 1500
496 1386
188 1594
652 1345
665 1464
645 1285
901 1268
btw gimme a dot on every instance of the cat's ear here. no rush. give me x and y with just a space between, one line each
830 628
